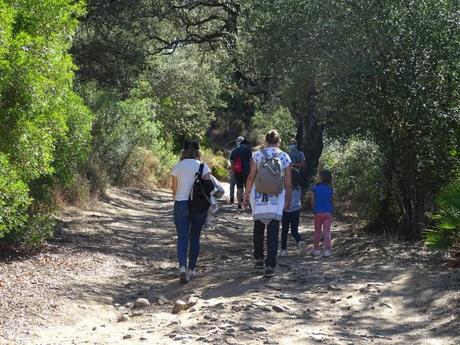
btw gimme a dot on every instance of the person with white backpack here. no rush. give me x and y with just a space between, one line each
268 189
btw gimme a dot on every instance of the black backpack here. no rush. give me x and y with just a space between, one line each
200 195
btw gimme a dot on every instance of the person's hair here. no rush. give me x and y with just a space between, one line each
245 142
272 137
325 176
191 150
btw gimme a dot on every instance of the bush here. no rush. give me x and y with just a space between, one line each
447 232
279 119
357 175
44 125
146 168
14 199
217 162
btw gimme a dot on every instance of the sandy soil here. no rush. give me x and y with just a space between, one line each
81 289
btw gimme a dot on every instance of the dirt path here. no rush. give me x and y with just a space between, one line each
123 248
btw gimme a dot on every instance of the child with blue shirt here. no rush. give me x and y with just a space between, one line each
322 204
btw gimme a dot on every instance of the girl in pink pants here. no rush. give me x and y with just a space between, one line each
322 204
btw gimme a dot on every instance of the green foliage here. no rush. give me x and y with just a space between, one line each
280 119
44 127
402 91
14 199
357 175
217 162
387 71
447 232
186 90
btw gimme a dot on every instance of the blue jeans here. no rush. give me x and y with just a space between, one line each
188 227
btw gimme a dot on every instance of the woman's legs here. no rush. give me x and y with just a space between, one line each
182 222
197 221
258 238
285 222
273 229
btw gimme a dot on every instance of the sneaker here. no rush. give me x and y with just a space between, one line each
183 275
327 253
259 264
240 207
301 246
191 274
232 200
316 252
283 252
269 272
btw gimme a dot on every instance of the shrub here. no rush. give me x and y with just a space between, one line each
14 199
280 119
447 231
357 176
217 162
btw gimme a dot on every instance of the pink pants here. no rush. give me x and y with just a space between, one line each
323 220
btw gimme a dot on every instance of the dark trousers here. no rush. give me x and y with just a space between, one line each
273 229
290 219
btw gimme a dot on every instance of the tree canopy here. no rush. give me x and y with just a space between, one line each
106 91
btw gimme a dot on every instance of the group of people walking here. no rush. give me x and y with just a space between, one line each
268 181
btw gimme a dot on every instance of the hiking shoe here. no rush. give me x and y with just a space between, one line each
301 246
191 274
259 264
316 252
269 272
327 253
283 252
183 275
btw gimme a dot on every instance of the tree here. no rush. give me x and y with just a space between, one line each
117 40
37 104
392 75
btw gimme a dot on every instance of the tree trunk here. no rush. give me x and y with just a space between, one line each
309 131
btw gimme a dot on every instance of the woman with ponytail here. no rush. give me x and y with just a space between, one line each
188 224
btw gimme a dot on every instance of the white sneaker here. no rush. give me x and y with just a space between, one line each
301 246
191 274
283 252
327 253
316 252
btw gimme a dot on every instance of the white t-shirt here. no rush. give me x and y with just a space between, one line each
185 172
268 207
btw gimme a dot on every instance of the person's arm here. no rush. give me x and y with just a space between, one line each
288 187
311 196
249 182
301 164
174 186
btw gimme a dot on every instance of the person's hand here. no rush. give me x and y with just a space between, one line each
246 200
287 205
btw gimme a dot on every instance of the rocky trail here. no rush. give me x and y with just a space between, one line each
110 277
